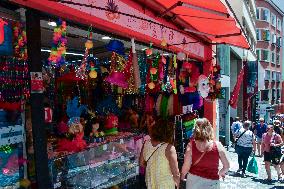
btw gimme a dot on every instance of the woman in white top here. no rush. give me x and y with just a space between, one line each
245 144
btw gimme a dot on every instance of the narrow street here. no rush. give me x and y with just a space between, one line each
233 181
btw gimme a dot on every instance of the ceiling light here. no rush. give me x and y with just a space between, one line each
144 49
69 53
53 24
106 38
166 54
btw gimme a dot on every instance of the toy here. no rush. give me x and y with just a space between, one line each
95 134
111 125
203 86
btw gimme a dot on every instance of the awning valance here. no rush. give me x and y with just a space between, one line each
210 18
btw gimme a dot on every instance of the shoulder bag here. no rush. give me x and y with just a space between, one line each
275 152
237 147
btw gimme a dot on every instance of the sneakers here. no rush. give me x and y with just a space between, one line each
244 175
239 170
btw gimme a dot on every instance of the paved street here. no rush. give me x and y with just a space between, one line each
233 181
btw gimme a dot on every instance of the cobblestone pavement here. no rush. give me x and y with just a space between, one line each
234 181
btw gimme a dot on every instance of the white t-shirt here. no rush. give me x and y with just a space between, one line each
246 139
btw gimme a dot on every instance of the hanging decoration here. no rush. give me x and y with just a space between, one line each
155 73
136 72
143 68
215 83
58 50
20 42
81 71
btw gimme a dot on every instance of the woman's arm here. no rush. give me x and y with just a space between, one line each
172 158
142 162
224 160
187 161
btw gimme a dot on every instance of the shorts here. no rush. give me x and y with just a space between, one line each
269 158
258 139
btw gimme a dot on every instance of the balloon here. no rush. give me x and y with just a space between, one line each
151 85
93 74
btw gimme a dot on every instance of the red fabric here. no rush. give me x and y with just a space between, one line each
10 106
208 22
208 165
235 94
2 33
75 145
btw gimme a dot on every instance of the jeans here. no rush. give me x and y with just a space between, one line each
243 156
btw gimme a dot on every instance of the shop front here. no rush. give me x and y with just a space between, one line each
96 69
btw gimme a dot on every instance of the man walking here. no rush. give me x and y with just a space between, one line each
260 129
236 126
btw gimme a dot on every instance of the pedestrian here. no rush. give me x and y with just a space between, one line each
279 130
245 144
201 161
160 158
252 127
235 127
259 131
271 139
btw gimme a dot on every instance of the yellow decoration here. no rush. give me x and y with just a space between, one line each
164 43
89 44
25 183
153 71
93 74
151 85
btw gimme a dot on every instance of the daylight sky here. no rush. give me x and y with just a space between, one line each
280 4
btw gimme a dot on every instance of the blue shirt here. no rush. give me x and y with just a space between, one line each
260 130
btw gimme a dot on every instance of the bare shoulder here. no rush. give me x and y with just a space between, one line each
220 146
170 148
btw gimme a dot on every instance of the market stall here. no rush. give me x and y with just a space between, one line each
103 65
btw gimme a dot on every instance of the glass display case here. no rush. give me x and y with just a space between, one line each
99 166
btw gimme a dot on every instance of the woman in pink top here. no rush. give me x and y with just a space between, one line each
270 139
202 157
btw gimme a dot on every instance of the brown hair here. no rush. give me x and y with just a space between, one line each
203 130
163 131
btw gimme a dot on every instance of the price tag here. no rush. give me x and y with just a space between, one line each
104 147
121 141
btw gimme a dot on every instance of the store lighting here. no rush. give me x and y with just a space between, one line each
106 38
53 24
166 54
144 49
69 53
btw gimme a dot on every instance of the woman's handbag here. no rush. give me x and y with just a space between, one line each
275 152
252 166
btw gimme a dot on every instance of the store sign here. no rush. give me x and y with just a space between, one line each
11 135
142 26
36 82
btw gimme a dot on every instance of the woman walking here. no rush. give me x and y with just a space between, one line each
202 157
271 140
160 158
245 144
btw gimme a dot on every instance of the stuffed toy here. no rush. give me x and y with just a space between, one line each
203 86
111 125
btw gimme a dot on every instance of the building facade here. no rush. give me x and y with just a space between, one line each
231 60
269 34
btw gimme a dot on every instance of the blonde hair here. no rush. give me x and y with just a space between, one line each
203 130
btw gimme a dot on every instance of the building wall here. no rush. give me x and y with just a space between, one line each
271 82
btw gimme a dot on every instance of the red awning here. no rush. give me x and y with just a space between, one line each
210 18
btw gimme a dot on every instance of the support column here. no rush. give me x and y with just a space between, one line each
209 107
37 106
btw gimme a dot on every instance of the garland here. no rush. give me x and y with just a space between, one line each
58 50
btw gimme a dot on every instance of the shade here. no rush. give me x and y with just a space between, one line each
210 18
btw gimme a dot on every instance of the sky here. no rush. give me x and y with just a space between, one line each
279 3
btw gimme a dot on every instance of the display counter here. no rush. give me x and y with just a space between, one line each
98 166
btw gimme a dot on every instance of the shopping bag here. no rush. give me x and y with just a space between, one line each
252 166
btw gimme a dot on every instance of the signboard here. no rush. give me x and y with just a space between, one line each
252 78
11 135
36 82
139 23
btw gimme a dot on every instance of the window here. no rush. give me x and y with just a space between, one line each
266 35
279 24
257 14
273 57
277 59
273 94
279 42
273 20
258 54
258 34
273 75
265 55
265 95
278 94
267 75
278 76
265 15
274 38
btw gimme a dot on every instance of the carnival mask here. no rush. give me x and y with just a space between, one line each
203 86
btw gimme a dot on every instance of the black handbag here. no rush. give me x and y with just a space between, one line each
275 152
